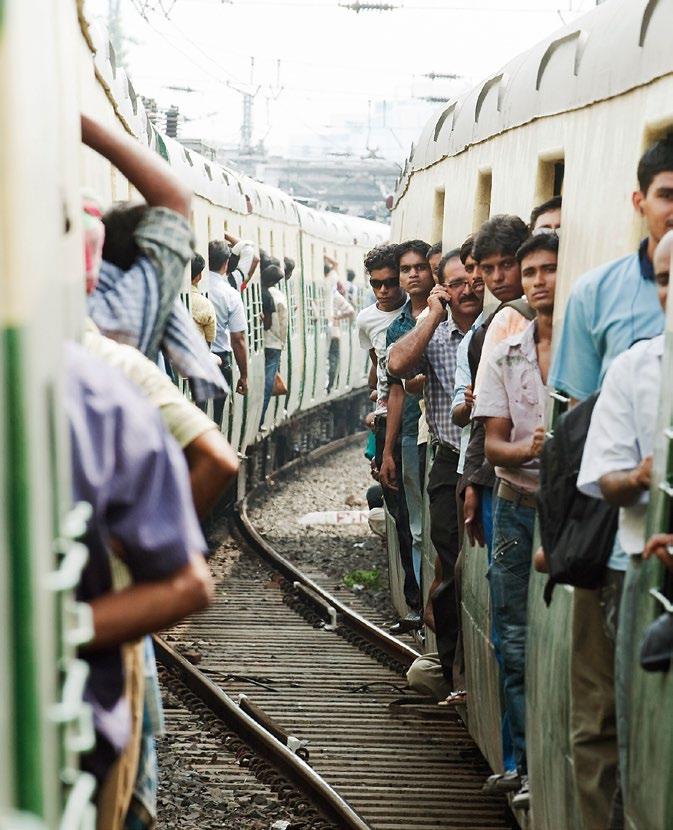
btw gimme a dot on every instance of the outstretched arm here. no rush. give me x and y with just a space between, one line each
146 170
120 616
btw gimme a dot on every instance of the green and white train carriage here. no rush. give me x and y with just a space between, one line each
52 65
572 116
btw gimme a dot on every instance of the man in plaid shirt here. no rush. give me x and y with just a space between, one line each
430 349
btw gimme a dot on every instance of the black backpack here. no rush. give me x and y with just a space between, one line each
577 531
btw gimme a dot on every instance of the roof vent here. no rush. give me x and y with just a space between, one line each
448 112
499 82
580 37
645 22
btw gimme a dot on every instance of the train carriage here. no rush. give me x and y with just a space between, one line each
50 52
571 116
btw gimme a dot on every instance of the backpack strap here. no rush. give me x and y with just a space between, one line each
522 307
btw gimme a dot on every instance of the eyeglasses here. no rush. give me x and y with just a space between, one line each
454 285
391 282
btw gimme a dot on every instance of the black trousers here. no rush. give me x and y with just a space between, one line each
442 483
218 403
397 507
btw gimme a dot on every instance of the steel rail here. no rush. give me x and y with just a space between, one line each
323 797
368 631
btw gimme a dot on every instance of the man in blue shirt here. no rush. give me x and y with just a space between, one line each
403 409
609 309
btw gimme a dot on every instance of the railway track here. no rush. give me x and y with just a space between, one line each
315 677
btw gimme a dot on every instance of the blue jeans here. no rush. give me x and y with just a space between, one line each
486 507
271 364
509 573
413 493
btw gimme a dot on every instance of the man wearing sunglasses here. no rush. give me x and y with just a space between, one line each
372 323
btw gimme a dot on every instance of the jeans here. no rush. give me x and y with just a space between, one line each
218 403
509 573
442 483
271 364
414 497
486 510
397 507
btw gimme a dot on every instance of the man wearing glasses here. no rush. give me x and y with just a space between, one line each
430 349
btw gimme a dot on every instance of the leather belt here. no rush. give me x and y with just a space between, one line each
517 497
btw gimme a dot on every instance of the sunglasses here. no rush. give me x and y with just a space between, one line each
392 282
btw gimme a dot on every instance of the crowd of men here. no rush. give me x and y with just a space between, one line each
461 395
461 409
151 463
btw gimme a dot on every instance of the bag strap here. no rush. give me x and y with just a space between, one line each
522 307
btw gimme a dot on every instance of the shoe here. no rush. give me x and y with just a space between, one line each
521 800
503 782
454 699
412 622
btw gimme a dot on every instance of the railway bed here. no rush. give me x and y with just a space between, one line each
339 691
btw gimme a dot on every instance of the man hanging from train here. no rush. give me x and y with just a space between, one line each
232 325
403 413
511 404
372 324
609 309
430 349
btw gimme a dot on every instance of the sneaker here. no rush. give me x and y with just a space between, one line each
504 782
412 622
521 800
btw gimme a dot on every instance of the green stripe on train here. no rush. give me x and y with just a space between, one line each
24 648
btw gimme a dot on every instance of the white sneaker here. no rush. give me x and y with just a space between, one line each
521 800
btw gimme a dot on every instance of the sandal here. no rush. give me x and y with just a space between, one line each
454 699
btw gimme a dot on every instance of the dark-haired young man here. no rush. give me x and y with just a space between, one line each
494 252
430 348
403 407
609 309
232 325
203 311
372 324
434 257
274 306
547 216
511 404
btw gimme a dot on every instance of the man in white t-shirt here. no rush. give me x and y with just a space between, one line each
242 262
373 321
232 324
372 324
274 308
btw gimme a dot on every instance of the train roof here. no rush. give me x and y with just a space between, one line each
212 180
620 45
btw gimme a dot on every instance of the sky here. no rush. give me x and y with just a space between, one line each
319 69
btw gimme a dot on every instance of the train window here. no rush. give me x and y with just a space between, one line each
438 215
226 226
550 172
210 229
253 306
482 202
311 312
292 306
209 173
271 246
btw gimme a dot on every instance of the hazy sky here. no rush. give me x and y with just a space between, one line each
332 61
